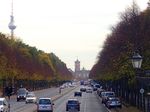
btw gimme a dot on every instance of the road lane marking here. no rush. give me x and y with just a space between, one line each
85 105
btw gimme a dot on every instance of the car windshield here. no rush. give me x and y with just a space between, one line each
114 99
21 91
30 95
98 86
44 101
1 102
72 102
109 94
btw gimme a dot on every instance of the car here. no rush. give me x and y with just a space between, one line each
107 94
99 91
77 93
83 89
4 107
89 90
73 105
113 102
31 98
45 104
96 86
21 94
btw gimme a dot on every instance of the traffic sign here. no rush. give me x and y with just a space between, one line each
141 90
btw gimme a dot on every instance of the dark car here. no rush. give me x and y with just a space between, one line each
83 89
77 93
113 102
96 86
72 105
21 94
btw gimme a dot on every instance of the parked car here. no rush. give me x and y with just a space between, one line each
4 107
31 98
96 86
21 94
113 102
77 93
107 94
72 105
45 104
99 91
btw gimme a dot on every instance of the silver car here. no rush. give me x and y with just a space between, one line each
45 104
107 94
113 102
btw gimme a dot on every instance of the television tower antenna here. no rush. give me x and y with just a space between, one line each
11 24
148 4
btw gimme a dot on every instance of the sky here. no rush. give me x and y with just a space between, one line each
72 29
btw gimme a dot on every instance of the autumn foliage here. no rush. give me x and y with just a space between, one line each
131 33
20 61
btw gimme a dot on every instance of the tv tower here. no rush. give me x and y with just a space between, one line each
148 4
11 24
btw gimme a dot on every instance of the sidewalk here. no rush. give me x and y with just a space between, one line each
126 109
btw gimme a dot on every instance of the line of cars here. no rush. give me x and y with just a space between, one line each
25 95
87 89
46 104
74 104
109 98
43 104
22 94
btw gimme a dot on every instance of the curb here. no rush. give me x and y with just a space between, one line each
103 104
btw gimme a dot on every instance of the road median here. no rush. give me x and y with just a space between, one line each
54 98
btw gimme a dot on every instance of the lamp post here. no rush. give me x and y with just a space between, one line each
137 62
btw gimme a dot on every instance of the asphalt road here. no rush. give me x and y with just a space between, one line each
89 103
21 106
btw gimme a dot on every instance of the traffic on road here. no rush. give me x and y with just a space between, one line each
73 98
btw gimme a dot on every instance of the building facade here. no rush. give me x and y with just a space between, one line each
80 73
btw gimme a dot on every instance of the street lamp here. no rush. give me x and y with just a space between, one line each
136 60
